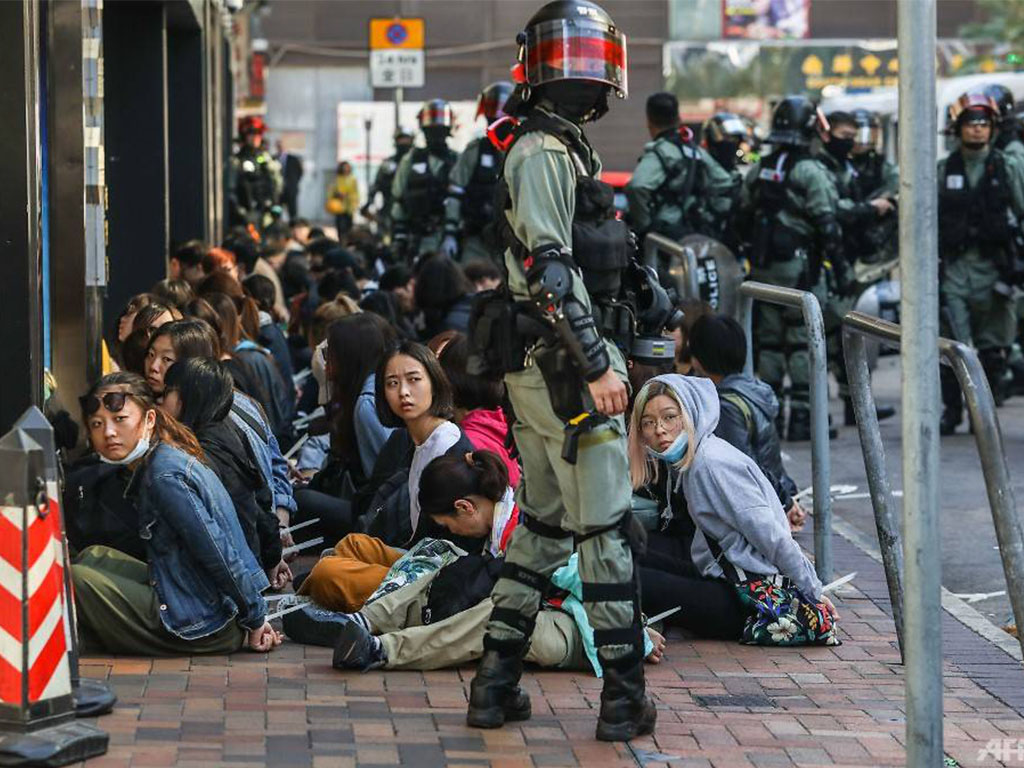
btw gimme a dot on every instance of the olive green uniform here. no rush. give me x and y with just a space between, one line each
382 183
594 493
425 235
472 246
780 334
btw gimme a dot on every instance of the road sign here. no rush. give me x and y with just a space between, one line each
396 33
399 68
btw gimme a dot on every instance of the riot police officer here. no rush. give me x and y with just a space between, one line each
469 208
570 393
722 136
383 180
791 208
1008 133
856 216
255 177
981 201
421 183
875 176
673 181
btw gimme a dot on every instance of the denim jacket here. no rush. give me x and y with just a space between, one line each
273 465
199 563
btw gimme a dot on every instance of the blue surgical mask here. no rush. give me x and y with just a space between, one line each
136 453
674 452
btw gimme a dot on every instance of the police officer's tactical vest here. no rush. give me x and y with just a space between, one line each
684 179
870 176
423 198
255 184
478 200
974 216
602 246
385 178
770 239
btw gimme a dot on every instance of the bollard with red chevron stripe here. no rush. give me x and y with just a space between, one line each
37 725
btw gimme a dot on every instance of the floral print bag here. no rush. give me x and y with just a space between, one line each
779 614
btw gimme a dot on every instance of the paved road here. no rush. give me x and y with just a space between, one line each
970 560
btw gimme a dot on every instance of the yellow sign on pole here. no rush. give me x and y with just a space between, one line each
396 33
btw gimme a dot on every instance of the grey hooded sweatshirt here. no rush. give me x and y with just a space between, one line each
731 500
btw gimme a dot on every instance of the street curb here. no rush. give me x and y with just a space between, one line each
953 605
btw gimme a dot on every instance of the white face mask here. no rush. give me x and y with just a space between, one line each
134 455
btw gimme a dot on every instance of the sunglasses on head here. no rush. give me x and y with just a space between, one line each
112 401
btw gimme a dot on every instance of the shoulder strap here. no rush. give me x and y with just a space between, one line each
250 421
538 121
730 571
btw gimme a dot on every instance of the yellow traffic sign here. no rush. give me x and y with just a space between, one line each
396 33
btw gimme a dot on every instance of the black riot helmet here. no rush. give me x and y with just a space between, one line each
722 134
572 40
795 121
868 125
492 100
1003 97
436 112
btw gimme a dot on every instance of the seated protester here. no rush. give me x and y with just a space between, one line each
96 510
147 320
398 283
186 262
198 393
200 592
126 320
244 377
355 346
467 496
411 391
219 260
755 583
185 339
271 337
444 295
692 309
484 274
385 304
749 407
173 293
280 399
478 405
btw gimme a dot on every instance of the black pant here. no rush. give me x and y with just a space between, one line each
336 519
668 578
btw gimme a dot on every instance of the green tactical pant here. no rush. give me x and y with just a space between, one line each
975 314
780 336
582 498
834 311
119 609
474 248
409 644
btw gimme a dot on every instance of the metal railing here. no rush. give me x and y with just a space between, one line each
687 283
808 304
981 407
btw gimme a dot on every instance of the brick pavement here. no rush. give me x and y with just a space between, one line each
720 704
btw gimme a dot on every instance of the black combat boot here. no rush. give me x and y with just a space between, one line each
799 425
993 362
952 401
494 694
882 412
626 709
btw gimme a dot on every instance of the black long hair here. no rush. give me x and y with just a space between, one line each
451 477
468 392
355 346
204 388
440 388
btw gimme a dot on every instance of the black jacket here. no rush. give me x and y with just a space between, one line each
96 510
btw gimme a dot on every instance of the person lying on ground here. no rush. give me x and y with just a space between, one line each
201 590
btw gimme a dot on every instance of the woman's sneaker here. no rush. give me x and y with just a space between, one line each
358 649
311 624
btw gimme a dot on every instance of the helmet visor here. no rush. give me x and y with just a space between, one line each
433 114
734 127
576 50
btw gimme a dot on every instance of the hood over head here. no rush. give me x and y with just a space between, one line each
698 396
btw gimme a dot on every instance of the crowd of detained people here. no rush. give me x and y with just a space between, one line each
302 383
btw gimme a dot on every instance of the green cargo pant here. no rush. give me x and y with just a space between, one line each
475 248
979 316
834 311
583 498
118 607
780 336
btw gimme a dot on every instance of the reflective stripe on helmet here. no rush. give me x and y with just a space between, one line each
578 50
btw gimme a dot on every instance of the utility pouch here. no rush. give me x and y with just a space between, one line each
563 380
496 345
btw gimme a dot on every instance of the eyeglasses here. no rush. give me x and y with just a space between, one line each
670 422
112 401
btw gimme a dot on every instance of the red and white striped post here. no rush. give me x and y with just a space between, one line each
37 710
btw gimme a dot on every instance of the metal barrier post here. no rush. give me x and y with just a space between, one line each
654 243
807 303
886 523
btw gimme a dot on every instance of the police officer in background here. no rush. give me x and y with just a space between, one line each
875 176
421 183
255 182
1008 127
790 204
981 201
670 189
721 138
470 204
383 180
559 224
856 216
